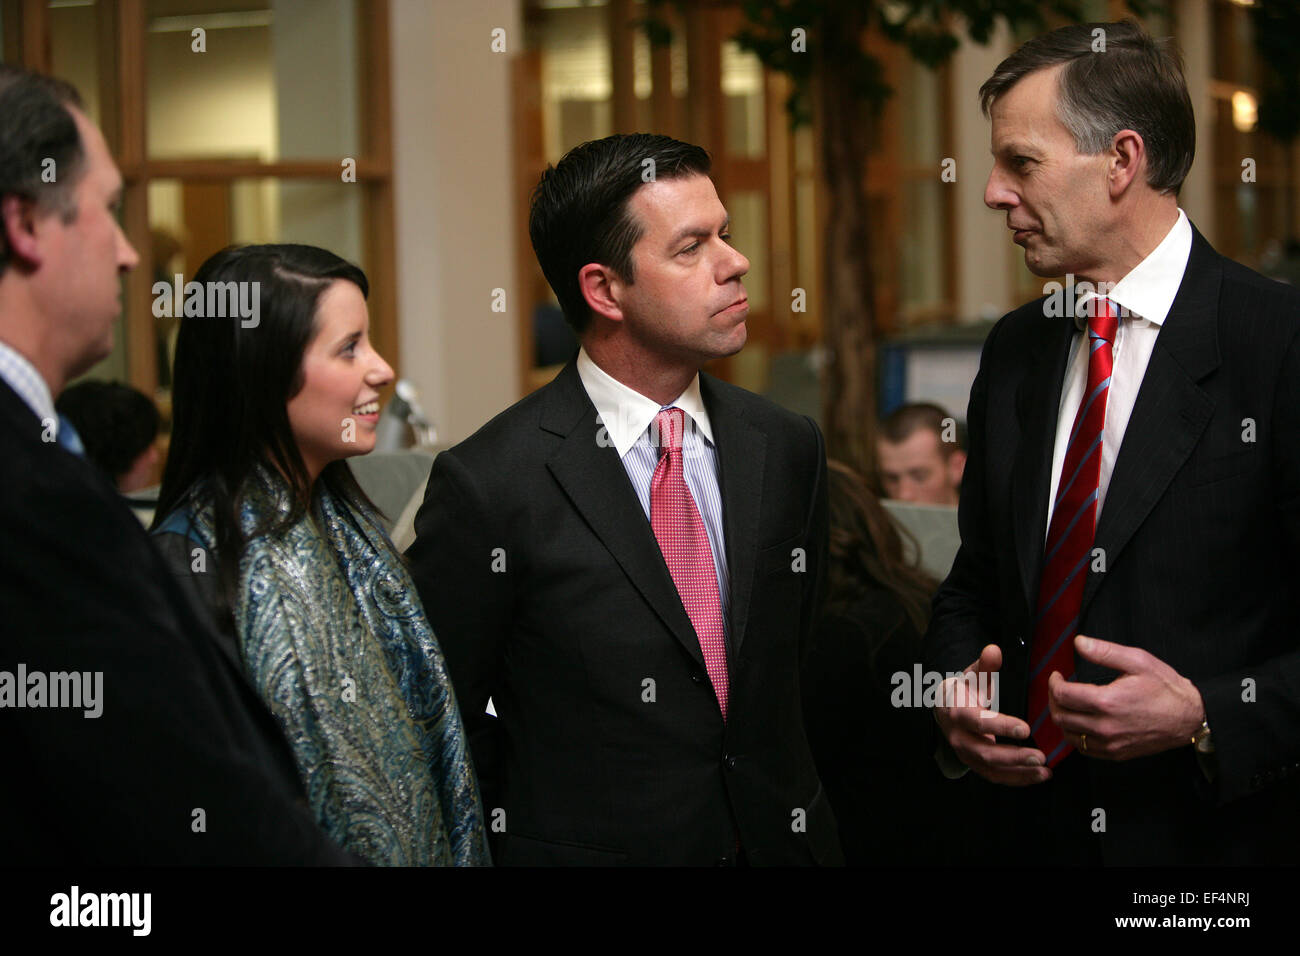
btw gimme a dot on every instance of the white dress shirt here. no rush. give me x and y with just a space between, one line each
21 375
627 417
1146 295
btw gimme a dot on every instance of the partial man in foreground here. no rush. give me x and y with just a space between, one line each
133 739
1130 514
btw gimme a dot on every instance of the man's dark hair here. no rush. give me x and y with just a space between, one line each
1135 82
116 423
580 209
35 126
904 421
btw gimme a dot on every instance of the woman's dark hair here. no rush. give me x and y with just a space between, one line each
232 386
116 422
866 550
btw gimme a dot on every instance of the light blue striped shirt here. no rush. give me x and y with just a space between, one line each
627 418
22 377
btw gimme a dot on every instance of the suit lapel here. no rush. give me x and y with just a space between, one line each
19 416
741 452
1171 410
1038 402
596 483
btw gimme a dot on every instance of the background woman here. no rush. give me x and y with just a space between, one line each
876 760
262 519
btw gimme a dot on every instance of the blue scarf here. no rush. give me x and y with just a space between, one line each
335 639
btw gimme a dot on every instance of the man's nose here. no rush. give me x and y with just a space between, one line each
736 265
127 258
996 193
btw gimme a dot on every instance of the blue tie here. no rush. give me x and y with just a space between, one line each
68 438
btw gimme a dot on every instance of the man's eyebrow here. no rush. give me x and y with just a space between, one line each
698 232
1013 149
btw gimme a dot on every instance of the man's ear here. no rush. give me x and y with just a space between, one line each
600 286
18 219
1128 157
956 465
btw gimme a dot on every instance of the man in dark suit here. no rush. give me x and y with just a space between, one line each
627 561
129 737
1134 476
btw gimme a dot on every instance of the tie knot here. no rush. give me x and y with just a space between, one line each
1103 319
669 424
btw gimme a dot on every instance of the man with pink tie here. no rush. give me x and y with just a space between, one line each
626 563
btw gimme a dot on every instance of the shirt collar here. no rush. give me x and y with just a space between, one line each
1148 291
22 377
626 413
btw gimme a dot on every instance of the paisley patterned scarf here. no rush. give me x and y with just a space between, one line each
335 639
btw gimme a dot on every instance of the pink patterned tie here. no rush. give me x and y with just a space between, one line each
685 546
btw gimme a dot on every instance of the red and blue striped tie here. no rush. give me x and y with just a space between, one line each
1070 537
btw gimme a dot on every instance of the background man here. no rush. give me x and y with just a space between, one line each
922 453
626 561
118 426
182 764
1134 476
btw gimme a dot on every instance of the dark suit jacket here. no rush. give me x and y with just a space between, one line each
547 590
82 589
1200 532
893 805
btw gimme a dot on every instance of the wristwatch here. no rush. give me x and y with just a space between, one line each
1202 740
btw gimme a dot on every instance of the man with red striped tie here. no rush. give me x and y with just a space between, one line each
1130 512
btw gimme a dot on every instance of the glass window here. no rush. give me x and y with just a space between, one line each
922 289
922 245
742 88
252 80
74 49
576 85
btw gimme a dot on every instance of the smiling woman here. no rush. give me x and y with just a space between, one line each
265 525
334 414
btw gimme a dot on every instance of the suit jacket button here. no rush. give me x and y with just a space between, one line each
730 762
696 678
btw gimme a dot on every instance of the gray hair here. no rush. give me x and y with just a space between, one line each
1116 77
35 128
